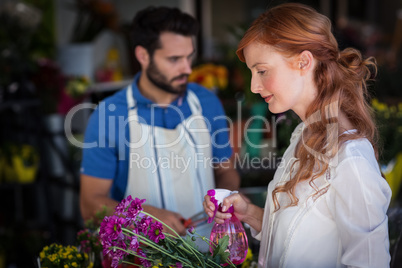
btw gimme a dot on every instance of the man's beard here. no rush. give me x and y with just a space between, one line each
159 80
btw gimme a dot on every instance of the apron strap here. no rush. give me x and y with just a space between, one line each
194 103
131 103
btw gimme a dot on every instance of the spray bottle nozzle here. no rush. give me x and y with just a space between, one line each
217 196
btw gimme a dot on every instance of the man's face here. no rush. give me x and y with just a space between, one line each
170 65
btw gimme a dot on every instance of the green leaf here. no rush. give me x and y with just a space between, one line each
221 252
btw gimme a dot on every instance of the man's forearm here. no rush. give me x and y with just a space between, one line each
228 180
89 208
226 176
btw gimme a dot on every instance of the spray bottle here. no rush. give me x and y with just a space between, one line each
232 227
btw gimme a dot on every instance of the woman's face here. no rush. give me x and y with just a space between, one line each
280 81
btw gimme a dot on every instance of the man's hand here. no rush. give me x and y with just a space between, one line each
170 218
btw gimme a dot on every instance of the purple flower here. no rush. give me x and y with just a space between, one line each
135 208
114 253
115 262
191 230
111 227
144 262
155 232
179 265
107 247
122 206
143 225
134 244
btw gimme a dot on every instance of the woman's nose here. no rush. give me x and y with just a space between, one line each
255 86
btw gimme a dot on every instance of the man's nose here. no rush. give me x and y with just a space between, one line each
186 66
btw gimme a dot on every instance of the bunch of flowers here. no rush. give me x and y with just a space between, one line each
88 238
211 76
88 241
58 256
131 232
389 120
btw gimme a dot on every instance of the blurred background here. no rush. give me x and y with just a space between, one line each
57 54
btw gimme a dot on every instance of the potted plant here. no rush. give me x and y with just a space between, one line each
59 256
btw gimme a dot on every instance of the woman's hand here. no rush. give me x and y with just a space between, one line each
239 203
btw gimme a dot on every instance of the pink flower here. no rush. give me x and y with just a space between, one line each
111 227
135 208
114 253
134 244
115 262
155 232
143 225
144 262
191 230
123 205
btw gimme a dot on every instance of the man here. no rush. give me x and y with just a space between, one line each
160 139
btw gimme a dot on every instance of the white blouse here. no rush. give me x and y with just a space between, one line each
347 226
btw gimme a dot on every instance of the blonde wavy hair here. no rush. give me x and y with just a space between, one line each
341 79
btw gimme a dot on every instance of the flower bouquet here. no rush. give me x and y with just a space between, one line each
130 233
89 243
210 75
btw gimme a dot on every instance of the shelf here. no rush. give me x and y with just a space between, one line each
17 105
109 86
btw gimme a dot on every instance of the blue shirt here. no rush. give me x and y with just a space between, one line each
107 135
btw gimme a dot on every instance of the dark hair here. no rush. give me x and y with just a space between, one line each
149 23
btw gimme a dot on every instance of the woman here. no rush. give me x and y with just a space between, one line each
327 203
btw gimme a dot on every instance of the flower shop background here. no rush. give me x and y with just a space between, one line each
41 81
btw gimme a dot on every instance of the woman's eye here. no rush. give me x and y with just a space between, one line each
261 72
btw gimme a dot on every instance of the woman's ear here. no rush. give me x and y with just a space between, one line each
305 61
142 55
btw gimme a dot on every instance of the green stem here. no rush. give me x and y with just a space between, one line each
127 262
132 253
214 264
177 235
152 244
185 246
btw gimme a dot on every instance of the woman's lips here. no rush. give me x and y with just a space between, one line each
267 98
